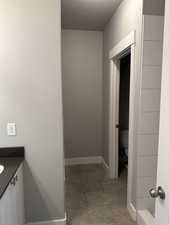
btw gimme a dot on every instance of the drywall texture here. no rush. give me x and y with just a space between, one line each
128 17
153 7
30 96
148 129
82 92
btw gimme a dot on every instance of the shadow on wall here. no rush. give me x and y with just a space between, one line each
31 185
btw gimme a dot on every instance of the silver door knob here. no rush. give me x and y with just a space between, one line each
159 192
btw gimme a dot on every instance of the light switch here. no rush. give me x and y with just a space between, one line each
11 129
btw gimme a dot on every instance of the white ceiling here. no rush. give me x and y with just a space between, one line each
87 14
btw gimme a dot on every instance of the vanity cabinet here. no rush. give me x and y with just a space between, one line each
12 201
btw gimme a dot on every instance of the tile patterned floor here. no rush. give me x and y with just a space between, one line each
93 199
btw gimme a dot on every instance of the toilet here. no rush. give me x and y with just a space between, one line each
124 140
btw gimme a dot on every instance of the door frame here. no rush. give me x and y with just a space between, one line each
127 45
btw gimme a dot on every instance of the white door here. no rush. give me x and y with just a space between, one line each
19 194
12 202
6 208
17 200
162 206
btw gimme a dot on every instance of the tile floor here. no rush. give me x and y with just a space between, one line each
93 199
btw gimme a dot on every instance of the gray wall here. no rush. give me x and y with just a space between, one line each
153 7
30 95
82 92
128 17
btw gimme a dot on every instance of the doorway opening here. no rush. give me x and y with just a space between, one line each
124 90
122 136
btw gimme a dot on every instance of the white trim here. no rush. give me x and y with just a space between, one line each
132 211
84 160
145 218
105 166
50 222
124 46
87 160
132 112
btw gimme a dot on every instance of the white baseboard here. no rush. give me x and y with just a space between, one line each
145 218
132 211
51 222
83 160
105 165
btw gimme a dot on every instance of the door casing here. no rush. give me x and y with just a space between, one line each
127 45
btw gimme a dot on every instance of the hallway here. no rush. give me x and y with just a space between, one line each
92 198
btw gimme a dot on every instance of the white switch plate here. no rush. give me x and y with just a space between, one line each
11 129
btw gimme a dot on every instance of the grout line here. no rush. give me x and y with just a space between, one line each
148 134
147 40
